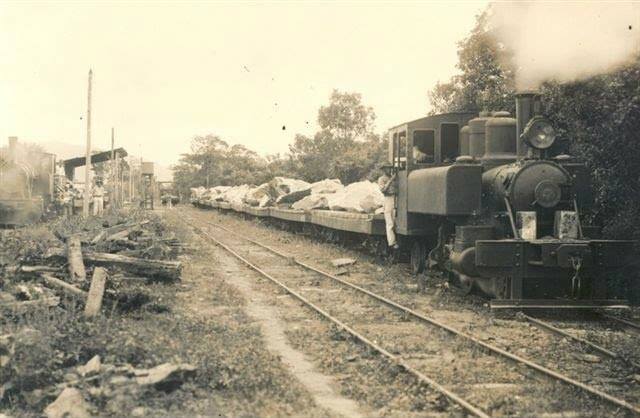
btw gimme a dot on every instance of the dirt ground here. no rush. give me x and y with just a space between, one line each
498 393
201 320
258 352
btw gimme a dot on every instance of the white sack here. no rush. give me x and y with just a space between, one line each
260 195
197 192
284 186
326 186
236 194
314 201
360 197
219 190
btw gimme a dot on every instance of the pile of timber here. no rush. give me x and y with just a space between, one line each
83 265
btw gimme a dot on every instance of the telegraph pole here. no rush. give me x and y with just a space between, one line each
114 174
87 185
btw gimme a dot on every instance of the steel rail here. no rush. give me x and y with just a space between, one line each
548 327
626 322
497 350
393 358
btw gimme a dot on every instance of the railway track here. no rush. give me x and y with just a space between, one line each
458 394
625 322
548 326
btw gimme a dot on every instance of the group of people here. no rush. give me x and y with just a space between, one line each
66 193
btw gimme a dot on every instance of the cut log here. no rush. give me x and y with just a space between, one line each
31 269
96 291
39 269
156 269
64 286
119 235
77 271
108 232
101 235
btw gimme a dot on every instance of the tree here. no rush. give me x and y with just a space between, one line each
486 79
346 117
345 147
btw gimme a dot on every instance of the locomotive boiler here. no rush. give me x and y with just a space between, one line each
491 207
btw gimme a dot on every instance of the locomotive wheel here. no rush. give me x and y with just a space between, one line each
466 284
418 257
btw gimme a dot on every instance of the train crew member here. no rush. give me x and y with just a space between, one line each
67 200
388 187
98 199
418 155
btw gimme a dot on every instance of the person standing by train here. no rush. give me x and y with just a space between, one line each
388 187
98 199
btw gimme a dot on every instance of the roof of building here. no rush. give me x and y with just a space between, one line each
95 158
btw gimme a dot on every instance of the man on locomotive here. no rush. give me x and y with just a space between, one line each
388 187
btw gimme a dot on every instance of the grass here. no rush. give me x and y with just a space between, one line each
235 375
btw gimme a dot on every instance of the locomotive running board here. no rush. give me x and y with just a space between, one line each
558 304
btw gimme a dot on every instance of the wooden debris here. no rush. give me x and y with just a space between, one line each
96 292
77 272
590 358
31 269
159 269
66 287
99 237
39 269
122 235
165 376
342 262
92 367
69 404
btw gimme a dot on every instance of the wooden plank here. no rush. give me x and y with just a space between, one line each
165 270
77 272
64 286
96 292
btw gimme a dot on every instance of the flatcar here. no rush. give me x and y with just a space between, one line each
480 198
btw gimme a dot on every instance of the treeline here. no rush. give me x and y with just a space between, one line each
597 119
344 147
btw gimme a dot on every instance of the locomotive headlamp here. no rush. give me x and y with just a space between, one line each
539 133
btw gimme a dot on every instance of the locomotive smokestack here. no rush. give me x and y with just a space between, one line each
527 106
13 149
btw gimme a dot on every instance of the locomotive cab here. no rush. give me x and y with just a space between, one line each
422 144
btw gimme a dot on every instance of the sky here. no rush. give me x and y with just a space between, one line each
252 73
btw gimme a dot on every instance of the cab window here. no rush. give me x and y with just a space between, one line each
400 151
423 146
450 135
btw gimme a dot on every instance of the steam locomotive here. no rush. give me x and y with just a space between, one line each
488 205
26 183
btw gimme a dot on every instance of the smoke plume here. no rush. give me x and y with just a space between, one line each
565 41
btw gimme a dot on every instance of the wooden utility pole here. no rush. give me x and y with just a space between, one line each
114 171
87 171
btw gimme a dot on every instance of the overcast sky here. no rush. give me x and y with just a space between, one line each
164 73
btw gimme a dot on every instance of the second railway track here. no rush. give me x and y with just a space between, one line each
469 371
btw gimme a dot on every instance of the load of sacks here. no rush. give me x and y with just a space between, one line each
282 192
